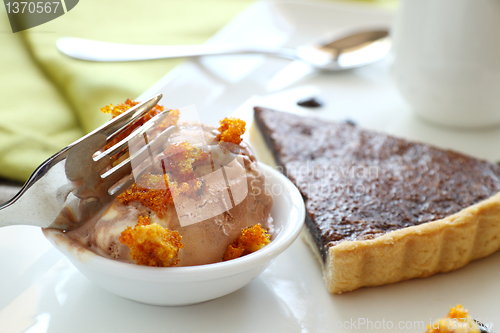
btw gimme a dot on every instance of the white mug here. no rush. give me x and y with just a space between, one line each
447 60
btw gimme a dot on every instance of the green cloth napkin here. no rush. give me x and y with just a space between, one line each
49 100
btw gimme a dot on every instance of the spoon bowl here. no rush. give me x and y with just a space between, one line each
348 49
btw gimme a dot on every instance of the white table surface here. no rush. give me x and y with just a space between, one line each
40 291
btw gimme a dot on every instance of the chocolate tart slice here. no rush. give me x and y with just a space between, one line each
383 209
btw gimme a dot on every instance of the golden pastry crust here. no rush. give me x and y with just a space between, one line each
415 252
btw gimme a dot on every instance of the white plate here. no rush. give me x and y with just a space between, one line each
40 291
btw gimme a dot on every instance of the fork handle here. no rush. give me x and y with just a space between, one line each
102 51
19 214
30 209
39 204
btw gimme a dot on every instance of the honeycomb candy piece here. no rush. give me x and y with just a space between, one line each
250 240
151 244
152 191
457 320
181 159
117 110
231 130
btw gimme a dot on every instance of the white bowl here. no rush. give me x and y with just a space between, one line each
189 285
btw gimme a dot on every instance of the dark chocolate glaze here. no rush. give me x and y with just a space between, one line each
359 184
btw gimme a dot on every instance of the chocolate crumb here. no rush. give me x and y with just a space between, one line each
310 102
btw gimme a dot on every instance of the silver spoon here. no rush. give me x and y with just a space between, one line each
334 52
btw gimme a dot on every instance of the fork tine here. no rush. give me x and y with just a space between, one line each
120 123
137 132
141 154
121 185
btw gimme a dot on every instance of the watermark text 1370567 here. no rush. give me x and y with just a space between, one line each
28 14
32 7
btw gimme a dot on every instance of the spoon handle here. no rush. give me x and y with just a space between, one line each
102 51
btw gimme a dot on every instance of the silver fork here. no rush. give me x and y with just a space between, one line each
79 181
